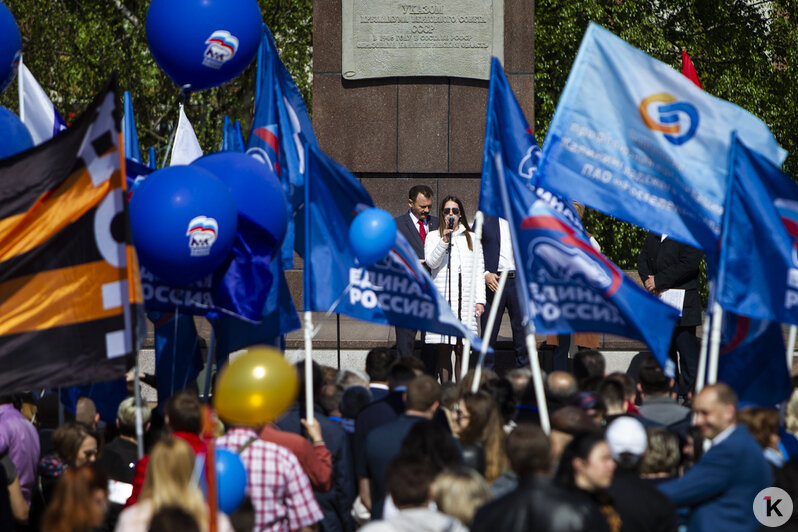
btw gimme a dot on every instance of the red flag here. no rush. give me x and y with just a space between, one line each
688 70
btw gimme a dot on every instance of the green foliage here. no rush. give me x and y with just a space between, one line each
73 46
743 51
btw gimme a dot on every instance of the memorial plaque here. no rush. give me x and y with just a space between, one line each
390 38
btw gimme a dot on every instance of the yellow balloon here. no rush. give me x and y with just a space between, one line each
255 388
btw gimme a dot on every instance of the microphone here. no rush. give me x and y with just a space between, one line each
451 222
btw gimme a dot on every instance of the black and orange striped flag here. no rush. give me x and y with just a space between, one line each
69 282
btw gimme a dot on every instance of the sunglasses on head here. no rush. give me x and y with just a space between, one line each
453 210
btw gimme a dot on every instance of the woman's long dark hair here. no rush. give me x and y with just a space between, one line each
579 447
463 218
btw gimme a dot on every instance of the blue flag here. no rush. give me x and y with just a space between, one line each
753 360
129 135
641 142
395 291
280 129
152 161
233 139
758 270
178 357
105 395
566 284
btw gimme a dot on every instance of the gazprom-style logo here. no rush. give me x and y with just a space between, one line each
221 47
201 235
677 120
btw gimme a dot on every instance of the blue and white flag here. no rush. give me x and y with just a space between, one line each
36 110
232 139
753 360
397 290
129 135
641 142
567 286
280 129
758 270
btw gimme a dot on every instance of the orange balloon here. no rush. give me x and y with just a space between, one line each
255 388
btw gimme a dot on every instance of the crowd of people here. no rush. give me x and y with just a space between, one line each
393 449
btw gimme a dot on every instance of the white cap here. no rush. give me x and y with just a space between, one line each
626 435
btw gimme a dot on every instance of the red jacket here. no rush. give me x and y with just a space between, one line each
193 440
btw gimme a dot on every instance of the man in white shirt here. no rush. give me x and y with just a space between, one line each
497 250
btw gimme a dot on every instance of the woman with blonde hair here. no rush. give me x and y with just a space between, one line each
168 482
460 492
449 253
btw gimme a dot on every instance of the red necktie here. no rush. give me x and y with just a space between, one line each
421 230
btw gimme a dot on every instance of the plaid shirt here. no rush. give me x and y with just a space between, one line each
279 489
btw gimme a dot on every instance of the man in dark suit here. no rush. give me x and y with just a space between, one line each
665 264
721 487
497 251
415 225
383 443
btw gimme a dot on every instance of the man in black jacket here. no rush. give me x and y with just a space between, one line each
537 503
666 264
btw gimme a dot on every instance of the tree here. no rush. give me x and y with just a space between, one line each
744 52
73 46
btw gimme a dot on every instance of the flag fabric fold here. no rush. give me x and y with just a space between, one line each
758 270
753 360
129 133
232 139
36 110
69 283
280 130
641 142
688 69
185 148
566 284
397 290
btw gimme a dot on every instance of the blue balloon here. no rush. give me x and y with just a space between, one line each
15 135
372 235
10 47
255 187
184 223
231 480
203 43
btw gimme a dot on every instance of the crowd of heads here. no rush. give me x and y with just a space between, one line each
463 450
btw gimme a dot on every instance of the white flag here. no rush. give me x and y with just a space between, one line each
186 148
35 108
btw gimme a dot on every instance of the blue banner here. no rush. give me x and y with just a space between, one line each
566 284
232 139
130 137
395 291
758 270
753 360
178 357
280 129
636 139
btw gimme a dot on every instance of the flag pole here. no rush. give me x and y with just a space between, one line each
791 346
309 368
494 309
139 421
306 296
702 357
209 365
717 319
478 219
537 378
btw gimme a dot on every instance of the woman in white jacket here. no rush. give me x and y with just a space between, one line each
456 288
